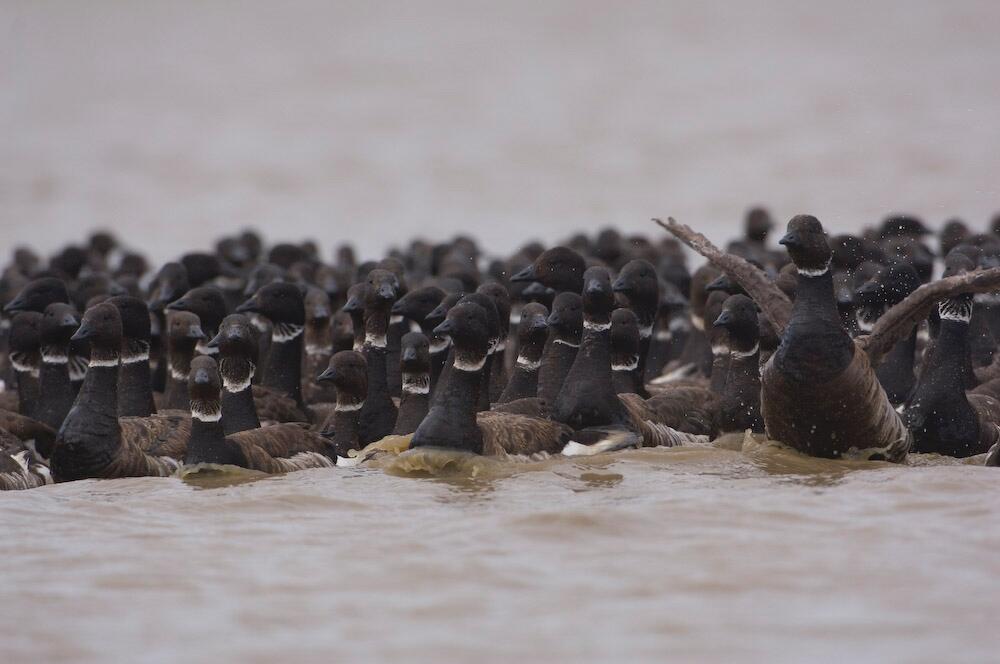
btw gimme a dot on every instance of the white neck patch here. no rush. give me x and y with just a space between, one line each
204 349
416 383
395 320
524 364
566 343
463 365
285 332
818 272
176 373
108 362
233 386
742 354
698 322
132 358
439 346
663 335
348 407
646 332
375 341
55 358
720 349
596 327
631 365
205 415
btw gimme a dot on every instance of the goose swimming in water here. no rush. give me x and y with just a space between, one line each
819 392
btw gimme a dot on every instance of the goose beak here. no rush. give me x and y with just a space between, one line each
83 333
537 323
724 319
69 320
353 305
790 240
593 287
178 305
386 292
553 318
215 341
250 306
717 284
329 374
409 354
202 377
527 274
444 329
14 306
622 285
194 332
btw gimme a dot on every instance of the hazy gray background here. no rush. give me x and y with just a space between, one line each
173 122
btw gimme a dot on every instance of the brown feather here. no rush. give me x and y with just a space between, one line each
509 434
26 428
654 432
162 435
847 416
275 406
687 409
282 448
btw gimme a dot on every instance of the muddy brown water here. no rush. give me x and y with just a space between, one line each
373 122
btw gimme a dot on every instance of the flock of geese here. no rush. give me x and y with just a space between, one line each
274 360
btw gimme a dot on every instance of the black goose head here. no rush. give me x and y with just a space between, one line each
102 328
492 316
135 317
170 283
382 290
184 328
25 341
418 304
205 301
501 300
624 332
237 338
440 312
534 327
468 326
848 252
348 371
566 319
93 285
758 225
318 309
638 284
559 268
807 245
59 322
598 298
201 267
536 292
279 302
739 319
205 389
38 294
888 287
953 234
415 353
355 304
261 276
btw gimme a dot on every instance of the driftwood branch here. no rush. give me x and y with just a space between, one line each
895 324
775 304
